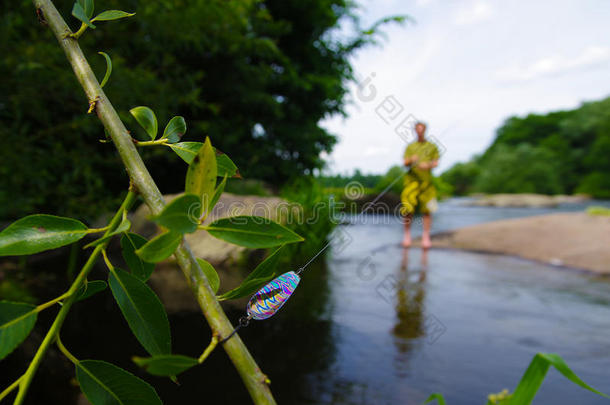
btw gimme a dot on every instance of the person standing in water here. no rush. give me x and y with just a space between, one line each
419 194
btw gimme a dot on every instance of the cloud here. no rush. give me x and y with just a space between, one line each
475 12
556 64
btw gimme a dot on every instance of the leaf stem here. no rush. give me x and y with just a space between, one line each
81 30
107 261
47 304
10 388
163 141
209 349
27 377
65 351
95 230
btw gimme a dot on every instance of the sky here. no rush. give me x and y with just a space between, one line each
463 67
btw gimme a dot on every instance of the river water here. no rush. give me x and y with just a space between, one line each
373 323
398 324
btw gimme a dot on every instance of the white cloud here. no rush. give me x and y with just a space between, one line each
556 64
473 13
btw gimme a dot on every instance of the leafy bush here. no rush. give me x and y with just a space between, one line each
317 212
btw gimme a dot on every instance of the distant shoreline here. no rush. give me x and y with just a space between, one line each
526 200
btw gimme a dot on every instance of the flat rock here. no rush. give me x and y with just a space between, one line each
576 240
202 244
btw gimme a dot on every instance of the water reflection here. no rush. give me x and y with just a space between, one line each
410 295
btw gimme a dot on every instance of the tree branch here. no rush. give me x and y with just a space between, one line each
253 378
26 378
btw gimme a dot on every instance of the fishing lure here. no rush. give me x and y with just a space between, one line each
270 298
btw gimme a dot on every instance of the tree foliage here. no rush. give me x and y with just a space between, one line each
559 152
256 76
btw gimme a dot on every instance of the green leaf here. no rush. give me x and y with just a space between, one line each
37 233
174 130
188 150
438 397
201 175
130 242
106 384
90 289
123 227
167 365
226 167
160 247
142 310
87 6
181 215
108 68
109 15
252 232
79 12
535 374
16 322
217 193
262 273
252 285
210 274
147 119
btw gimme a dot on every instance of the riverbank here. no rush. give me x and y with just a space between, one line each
526 200
576 240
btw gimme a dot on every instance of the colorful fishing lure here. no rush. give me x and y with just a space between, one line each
269 299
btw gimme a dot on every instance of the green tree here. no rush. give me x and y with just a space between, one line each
523 169
462 177
390 178
256 76
559 152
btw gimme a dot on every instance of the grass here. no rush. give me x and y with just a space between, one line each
598 211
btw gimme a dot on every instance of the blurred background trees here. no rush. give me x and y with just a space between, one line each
560 152
256 76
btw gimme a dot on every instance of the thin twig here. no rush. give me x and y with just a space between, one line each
208 349
10 388
27 377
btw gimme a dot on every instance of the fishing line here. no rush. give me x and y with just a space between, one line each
271 297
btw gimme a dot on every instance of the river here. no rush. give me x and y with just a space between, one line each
373 323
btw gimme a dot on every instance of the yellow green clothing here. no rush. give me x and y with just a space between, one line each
419 194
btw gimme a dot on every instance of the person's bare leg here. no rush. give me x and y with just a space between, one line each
406 242
425 239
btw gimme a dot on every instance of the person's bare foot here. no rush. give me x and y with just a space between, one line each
426 243
406 242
